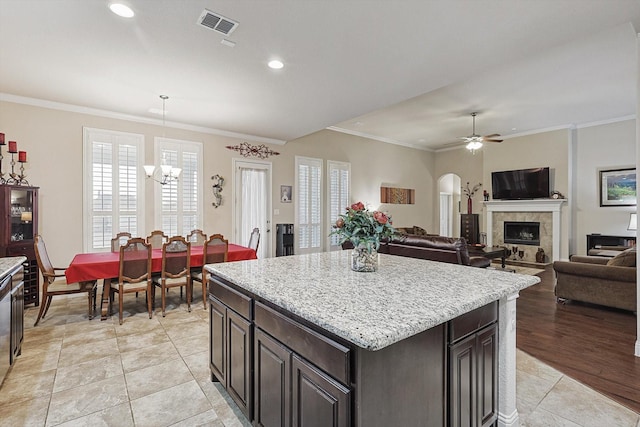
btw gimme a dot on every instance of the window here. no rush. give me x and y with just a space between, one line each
309 204
338 196
179 202
113 186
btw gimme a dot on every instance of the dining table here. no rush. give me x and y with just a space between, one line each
93 266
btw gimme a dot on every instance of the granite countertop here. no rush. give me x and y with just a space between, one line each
372 310
9 263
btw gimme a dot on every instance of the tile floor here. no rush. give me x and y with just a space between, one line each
75 372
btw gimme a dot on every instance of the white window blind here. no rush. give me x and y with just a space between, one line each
338 196
113 191
180 202
309 204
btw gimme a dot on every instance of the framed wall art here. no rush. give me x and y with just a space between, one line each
285 193
618 187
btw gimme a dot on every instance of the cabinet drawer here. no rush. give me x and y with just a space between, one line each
233 299
325 353
472 321
25 249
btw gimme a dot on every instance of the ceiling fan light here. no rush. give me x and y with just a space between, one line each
474 145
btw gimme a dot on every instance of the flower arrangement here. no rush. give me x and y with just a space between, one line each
469 192
362 227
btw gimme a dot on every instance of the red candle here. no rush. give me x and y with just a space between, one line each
22 156
2 139
13 147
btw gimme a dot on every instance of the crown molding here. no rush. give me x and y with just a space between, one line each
43 103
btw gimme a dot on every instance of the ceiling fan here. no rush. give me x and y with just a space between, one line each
474 141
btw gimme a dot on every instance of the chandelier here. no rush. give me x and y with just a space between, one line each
167 173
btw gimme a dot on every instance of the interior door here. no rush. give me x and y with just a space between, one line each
252 203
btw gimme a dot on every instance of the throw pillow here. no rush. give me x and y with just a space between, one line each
625 258
419 231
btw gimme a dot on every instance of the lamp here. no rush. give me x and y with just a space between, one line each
633 222
26 216
167 172
474 145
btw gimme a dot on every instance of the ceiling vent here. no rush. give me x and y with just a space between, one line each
217 22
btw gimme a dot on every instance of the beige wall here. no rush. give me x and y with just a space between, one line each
468 167
53 140
610 146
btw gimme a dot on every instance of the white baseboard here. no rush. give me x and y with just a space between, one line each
511 420
638 348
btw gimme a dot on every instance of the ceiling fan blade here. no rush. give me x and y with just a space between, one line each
492 140
492 135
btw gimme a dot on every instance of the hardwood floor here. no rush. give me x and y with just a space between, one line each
589 343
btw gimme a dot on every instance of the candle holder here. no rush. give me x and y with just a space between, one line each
14 178
2 180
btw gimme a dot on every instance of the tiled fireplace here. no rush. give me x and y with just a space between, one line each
540 216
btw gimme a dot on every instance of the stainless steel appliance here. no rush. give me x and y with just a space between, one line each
5 326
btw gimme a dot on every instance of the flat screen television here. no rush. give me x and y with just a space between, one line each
520 184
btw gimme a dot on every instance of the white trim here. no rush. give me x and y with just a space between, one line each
537 205
161 143
637 353
87 215
265 236
132 118
507 409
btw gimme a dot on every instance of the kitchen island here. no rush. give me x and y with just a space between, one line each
305 341
11 311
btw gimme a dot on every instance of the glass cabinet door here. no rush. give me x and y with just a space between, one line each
21 215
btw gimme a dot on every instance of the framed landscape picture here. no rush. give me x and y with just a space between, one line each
618 187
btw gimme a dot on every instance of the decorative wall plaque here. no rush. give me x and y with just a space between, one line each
247 150
397 196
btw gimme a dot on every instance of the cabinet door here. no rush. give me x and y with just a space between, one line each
272 379
487 376
317 400
217 341
239 361
17 321
462 387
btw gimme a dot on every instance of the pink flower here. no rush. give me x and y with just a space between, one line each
380 217
357 206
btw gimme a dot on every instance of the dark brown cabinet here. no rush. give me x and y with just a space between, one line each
17 315
18 227
470 228
473 372
317 399
272 395
285 372
231 346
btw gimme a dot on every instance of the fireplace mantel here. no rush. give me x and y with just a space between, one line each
536 205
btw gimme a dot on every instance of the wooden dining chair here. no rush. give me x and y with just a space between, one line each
156 239
134 274
197 237
54 284
119 240
215 250
254 239
176 254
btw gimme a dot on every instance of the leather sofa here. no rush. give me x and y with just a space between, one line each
435 248
589 279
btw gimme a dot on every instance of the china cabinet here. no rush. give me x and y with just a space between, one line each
18 227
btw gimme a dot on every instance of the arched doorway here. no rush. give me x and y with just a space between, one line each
449 205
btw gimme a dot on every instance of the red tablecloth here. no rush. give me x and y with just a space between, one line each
104 265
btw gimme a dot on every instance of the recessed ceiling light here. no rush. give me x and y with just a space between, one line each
121 10
275 64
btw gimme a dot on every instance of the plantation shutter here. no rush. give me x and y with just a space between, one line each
112 186
309 204
180 209
338 196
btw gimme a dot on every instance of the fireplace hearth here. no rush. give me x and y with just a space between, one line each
522 232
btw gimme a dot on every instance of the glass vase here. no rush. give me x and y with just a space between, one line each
364 260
